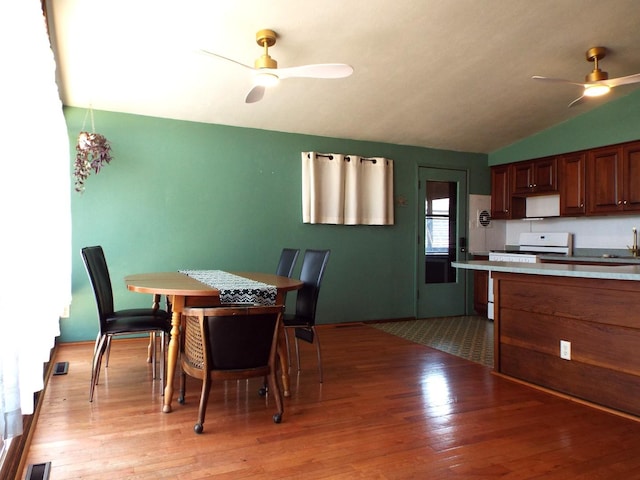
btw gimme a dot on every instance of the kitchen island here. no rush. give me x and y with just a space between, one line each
593 311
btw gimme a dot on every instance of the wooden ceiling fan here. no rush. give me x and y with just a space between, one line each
266 72
597 82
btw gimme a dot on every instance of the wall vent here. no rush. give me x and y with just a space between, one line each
484 218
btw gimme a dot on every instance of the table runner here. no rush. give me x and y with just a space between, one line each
234 288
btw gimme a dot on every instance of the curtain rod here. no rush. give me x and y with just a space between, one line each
348 159
373 160
330 157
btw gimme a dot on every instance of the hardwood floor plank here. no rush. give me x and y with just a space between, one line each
389 409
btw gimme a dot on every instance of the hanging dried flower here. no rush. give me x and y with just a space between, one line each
92 152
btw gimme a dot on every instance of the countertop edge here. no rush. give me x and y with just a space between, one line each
613 272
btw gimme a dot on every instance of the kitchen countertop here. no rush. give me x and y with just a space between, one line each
613 272
589 258
623 258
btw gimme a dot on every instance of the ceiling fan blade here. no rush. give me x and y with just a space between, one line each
255 94
576 101
556 80
615 82
321 70
226 58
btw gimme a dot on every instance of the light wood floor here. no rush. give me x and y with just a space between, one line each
389 409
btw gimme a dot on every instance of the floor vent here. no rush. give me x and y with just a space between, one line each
61 368
38 471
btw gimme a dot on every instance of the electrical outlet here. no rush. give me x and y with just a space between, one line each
565 349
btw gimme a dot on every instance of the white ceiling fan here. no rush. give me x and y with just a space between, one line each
597 82
266 72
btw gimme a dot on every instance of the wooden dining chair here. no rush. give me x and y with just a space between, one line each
113 322
303 321
230 343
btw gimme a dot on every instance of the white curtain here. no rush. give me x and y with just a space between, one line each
35 256
346 189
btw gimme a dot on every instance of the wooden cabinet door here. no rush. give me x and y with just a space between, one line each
572 184
481 291
631 181
522 177
500 192
604 180
534 177
545 178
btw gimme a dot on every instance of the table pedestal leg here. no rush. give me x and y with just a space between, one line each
172 354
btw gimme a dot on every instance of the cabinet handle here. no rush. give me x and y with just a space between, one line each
619 202
625 202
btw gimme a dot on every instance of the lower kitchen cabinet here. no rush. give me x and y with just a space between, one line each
481 288
534 313
481 292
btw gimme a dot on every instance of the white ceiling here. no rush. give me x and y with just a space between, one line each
450 74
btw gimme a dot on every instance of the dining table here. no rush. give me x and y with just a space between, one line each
205 288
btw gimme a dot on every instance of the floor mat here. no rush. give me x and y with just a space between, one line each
469 337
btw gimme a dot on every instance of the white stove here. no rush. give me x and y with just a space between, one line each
530 247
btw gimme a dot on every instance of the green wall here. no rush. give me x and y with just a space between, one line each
614 122
190 195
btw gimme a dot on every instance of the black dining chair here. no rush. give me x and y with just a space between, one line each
230 343
303 321
119 322
287 262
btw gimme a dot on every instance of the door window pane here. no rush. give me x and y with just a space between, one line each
440 231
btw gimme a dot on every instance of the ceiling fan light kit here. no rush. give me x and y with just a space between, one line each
267 74
596 90
597 83
265 79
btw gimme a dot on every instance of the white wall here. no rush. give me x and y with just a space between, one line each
591 232
484 238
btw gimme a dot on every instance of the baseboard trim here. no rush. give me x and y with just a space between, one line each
389 320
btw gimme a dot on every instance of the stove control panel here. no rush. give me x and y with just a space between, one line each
512 257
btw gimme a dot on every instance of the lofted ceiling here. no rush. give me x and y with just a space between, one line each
450 74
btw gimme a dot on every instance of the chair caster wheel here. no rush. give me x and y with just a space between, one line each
181 400
198 428
277 417
263 391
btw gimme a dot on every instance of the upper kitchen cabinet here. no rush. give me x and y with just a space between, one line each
536 176
504 204
613 176
599 181
500 192
631 168
572 183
